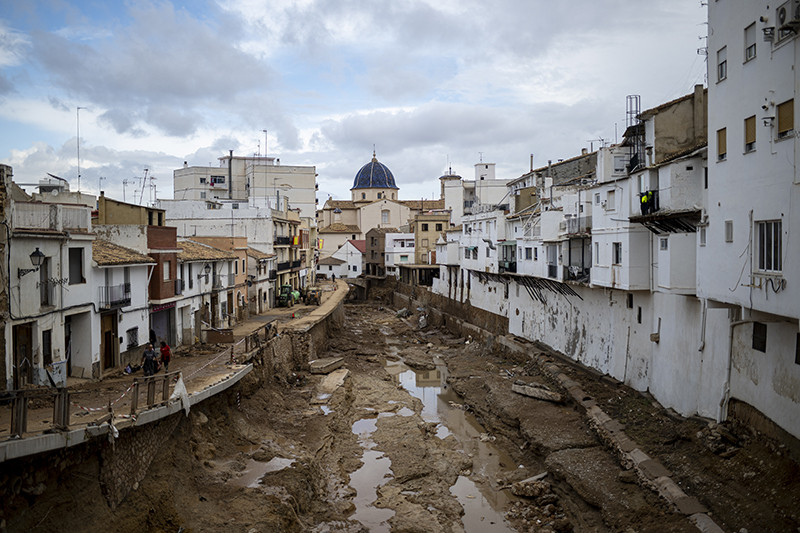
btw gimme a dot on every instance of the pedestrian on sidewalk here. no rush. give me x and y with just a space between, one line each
149 361
166 355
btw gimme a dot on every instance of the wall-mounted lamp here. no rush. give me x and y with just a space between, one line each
205 272
37 258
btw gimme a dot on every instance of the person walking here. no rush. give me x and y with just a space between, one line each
166 355
149 361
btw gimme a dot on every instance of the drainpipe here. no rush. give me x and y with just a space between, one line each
726 396
230 174
702 346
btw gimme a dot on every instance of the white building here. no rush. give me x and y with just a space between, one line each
748 265
346 262
399 250
249 177
463 197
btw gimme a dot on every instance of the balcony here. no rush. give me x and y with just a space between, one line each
297 264
217 281
179 285
552 271
273 275
231 280
508 266
672 219
51 217
115 296
282 241
46 293
577 273
286 265
578 225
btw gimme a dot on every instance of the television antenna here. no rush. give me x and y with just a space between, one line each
78 141
125 183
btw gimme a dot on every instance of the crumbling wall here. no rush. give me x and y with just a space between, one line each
124 461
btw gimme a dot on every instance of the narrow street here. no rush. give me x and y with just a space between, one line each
419 431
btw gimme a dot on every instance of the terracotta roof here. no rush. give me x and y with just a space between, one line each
106 253
361 245
383 230
330 260
197 251
338 227
341 204
423 205
258 254
681 153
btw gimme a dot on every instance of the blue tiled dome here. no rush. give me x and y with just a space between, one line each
374 175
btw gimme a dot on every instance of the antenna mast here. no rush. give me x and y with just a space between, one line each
78 115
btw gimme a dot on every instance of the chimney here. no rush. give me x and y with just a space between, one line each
185 164
584 151
230 174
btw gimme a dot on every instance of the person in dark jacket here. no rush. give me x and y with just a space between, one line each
149 361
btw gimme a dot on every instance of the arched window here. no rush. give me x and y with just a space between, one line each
363 195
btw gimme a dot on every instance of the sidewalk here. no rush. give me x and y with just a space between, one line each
200 367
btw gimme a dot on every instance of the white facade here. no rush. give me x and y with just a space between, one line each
399 250
244 178
747 260
462 197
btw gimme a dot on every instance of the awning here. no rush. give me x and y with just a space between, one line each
508 243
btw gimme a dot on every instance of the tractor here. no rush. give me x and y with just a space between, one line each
285 296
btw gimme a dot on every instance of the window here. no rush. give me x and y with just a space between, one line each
702 233
620 162
424 227
729 231
438 227
47 347
639 314
488 252
535 254
610 200
191 276
760 337
243 269
785 119
133 338
722 144
363 196
234 206
166 266
597 198
385 216
330 267
379 196
202 196
750 134
705 177
528 253
617 254
750 42
722 63
475 253
466 253
202 180
404 259
769 246
217 180
630 300
663 243
597 253
236 267
76 266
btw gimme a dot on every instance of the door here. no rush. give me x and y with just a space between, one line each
23 355
108 326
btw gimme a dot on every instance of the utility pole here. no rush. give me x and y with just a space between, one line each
265 142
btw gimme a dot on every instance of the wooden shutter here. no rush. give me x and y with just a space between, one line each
722 143
785 117
750 130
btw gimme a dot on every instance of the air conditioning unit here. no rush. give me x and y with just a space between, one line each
787 15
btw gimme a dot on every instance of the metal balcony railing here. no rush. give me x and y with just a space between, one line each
282 240
217 282
286 265
231 280
576 225
273 274
113 296
577 273
508 266
297 264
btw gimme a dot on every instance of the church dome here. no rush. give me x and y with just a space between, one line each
374 175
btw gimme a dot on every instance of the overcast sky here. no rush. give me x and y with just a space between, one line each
424 81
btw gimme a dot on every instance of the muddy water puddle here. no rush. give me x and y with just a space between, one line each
477 491
374 472
255 470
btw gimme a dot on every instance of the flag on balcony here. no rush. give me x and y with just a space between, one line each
296 240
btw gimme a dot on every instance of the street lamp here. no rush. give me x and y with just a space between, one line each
37 258
206 270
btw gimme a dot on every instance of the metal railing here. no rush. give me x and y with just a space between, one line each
286 265
297 264
577 273
154 384
508 266
273 274
282 240
179 286
112 296
231 280
577 225
217 281
19 408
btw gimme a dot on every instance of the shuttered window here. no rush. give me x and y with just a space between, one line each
722 144
785 118
750 134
